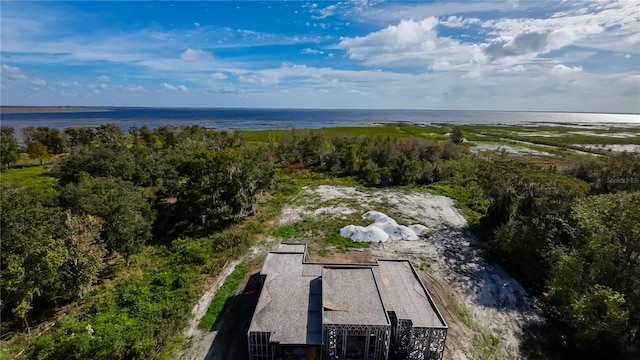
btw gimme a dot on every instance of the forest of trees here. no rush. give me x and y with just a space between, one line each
117 193
571 235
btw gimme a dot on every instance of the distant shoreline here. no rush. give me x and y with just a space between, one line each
26 109
269 119
50 109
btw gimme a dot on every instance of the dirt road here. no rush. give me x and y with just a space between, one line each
201 340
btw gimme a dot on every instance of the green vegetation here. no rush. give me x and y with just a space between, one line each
8 147
112 239
123 230
322 231
385 130
227 290
556 139
128 323
33 177
468 199
485 345
128 217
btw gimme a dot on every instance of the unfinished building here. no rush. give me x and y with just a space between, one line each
314 311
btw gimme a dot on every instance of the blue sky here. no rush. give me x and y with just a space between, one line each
571 55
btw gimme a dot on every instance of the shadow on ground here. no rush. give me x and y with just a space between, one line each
545 341
233 323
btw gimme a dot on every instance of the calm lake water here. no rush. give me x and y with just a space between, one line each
261 119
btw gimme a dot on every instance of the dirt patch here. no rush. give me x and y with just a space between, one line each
359 256
433 211
459 335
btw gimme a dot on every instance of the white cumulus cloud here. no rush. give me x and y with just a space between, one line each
459 22
218 76
104 78
321 13
196 55
172 87
563 70
309 51
13 72
534 41
408 34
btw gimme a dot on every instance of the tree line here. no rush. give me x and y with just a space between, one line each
118 192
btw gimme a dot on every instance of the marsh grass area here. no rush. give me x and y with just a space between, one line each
155 293
526 140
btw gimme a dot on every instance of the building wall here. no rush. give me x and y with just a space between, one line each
416 343
260 347
355 341
427 343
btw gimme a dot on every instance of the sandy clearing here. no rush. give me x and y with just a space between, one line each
430 210
508 148
495 303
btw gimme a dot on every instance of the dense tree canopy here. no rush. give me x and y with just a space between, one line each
47 254
595 280
127 215
221 185
53 139
378 162
8 146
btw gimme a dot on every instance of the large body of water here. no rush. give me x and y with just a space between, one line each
261 119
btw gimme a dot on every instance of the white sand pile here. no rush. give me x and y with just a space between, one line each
383 229
361 233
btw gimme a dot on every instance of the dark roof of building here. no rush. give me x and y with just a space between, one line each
290 303
350 296
298 297
403 293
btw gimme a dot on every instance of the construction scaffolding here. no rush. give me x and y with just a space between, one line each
356 342
260 347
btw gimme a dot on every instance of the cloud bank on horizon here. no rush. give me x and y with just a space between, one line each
571 55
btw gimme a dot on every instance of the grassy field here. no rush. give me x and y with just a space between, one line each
384 130
226 291
30 176
325 231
